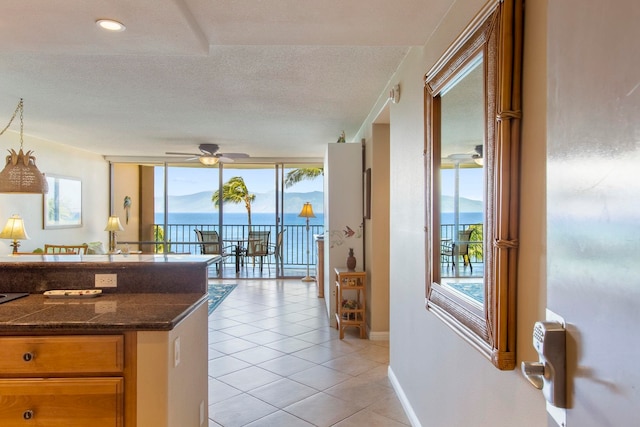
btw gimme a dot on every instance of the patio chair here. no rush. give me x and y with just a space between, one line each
210 244
258 247
276 250
66 249
450 251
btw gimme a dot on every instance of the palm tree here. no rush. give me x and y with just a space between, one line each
235 191
294 176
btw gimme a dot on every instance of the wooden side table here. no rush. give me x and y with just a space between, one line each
351 297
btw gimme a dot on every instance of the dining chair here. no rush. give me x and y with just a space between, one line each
275 250
258 247
210 244
450 251
66 249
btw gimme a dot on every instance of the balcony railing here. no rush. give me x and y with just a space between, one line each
181 238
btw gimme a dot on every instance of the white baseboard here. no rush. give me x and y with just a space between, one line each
379 336
408 410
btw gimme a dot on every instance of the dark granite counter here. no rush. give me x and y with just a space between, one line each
110 258
171 273
152 292
105 313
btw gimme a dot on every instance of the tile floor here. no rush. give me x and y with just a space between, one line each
275 361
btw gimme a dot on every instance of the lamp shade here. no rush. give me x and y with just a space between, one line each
20 174
14 229
307 211
113 224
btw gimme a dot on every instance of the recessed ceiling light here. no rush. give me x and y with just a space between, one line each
110 25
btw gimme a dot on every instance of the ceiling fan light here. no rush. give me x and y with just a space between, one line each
208 160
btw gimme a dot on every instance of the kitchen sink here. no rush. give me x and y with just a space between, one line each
6 297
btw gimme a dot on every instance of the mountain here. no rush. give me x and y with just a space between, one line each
264 202
466 205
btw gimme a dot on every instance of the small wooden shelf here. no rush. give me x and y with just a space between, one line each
351 288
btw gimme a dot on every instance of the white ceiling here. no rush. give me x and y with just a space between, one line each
271 78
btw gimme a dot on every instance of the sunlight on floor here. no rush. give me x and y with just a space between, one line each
275 361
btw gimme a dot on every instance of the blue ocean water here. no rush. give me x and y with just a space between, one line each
180 230
262 218
259 218
464 218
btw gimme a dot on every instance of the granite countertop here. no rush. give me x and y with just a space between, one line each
107 312
111 258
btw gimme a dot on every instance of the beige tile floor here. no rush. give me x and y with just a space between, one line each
275 361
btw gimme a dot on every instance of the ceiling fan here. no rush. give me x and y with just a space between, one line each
475 156
209 155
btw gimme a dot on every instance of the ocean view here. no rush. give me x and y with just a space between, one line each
231 218
262 218
180 230
464 218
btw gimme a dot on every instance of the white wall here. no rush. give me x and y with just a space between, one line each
442 380
52 158
342 209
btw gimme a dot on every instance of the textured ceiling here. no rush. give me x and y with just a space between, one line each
271 78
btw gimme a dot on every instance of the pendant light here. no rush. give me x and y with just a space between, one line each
20 174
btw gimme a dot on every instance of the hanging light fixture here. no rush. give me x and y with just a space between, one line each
20 174
208 159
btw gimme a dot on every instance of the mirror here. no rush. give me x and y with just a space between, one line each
472 97
462 182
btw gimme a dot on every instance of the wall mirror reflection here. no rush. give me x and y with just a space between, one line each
473 98
462 182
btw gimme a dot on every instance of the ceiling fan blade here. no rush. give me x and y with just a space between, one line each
225 159
180 154
235 155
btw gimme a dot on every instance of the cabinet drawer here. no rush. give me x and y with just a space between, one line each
95 402
35 356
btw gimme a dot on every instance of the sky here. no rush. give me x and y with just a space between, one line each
185 180
470 180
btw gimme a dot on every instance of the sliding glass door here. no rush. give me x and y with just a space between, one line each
234 201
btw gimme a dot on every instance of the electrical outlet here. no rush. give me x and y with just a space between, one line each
176 352
106 280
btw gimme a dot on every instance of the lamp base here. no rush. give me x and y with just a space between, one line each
308 279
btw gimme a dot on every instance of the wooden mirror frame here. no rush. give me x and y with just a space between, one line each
497 32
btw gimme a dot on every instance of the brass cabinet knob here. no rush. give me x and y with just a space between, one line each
28 357
28 414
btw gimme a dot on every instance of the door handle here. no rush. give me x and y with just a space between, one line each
549 372
534 372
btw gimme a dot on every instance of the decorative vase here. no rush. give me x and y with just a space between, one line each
351 260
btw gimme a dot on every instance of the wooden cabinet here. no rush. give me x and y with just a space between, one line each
62 381
350 292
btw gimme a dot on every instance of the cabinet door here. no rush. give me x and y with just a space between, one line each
62 402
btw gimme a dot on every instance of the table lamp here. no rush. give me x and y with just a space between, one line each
113 226
307 212
14 230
